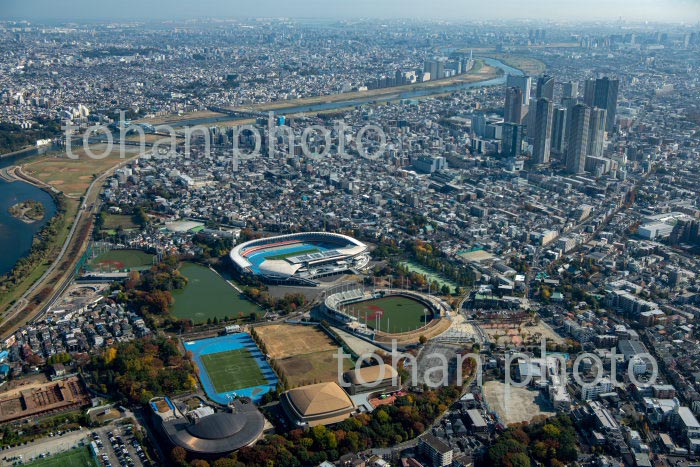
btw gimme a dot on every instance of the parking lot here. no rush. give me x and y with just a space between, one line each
117 447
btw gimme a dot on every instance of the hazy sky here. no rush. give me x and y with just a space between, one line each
653 10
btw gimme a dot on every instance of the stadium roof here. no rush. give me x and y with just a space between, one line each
278 267
218 433
317 399
370 374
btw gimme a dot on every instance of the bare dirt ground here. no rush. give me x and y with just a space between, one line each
514 405
287 340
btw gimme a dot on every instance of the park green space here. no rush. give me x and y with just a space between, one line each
207 295
233 370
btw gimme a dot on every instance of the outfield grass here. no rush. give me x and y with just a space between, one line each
293 253
208 295
390 314
233 370
122 259
78 457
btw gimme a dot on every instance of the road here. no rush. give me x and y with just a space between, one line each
86 210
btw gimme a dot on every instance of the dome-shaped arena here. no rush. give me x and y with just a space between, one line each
207 431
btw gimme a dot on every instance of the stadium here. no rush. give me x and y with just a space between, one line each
299 258
382 314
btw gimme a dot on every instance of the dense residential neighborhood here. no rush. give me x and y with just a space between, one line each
376 242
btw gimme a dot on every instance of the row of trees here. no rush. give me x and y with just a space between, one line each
434 259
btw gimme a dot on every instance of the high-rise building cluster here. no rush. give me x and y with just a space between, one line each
574 129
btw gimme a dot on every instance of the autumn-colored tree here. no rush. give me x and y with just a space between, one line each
110 355
178 455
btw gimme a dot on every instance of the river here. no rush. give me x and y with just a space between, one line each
399 95
16 236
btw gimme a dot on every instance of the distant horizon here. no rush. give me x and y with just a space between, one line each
655 12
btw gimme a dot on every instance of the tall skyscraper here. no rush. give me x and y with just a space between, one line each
543 130
545 87
577 141
512 139
596 132
513 111
569 90
559 130
522 82
589 92
606 98
568 103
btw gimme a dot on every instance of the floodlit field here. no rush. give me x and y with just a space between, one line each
122 259
390 314
79 457
232 370
303 354
208 295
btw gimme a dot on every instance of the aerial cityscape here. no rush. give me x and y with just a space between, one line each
367 234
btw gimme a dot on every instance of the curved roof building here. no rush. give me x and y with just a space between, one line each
299 257
317 404
375 378
205 431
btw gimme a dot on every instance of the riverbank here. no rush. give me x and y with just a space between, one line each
45 244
